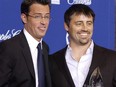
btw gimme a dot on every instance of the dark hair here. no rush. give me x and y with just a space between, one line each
78 9
25 5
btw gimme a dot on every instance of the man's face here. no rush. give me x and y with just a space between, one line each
37 20
80 29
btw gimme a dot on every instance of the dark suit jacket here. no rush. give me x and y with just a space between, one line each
16 66
103 58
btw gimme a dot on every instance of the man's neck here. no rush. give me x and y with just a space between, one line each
79 50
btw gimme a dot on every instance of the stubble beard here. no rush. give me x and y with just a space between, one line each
83 41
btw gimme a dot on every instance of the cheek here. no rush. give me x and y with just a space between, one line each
91 30
32 27
34 24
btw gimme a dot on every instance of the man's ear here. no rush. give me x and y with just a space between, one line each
24 18
66 27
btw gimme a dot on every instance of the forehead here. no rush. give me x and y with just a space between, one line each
81 17
38 8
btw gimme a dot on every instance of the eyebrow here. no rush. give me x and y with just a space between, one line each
41 13
82 21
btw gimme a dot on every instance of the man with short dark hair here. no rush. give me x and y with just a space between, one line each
19 55
82 63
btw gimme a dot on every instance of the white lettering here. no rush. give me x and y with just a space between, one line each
70 2
14 33
55 1
86 2
9 34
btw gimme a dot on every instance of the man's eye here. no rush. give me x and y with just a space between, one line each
89 23
37 16
78 24
46 17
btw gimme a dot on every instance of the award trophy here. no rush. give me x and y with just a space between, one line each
96 79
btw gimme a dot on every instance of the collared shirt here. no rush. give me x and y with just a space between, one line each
33 48
79 70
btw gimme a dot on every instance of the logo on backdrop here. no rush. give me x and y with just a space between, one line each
70 2
9 34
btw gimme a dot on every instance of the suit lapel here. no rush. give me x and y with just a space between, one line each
45 56
97 61
27 54
45 51
61 62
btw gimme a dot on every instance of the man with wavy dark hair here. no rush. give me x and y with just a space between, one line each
82 63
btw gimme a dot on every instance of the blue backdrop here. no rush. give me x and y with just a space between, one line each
104 31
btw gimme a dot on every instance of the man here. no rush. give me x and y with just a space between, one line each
18 55
82 63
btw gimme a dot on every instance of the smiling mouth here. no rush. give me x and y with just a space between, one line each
42 28
83 35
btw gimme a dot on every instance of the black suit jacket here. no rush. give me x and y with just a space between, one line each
16 66
103 58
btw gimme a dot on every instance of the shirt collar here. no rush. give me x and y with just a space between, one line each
31 41
89 50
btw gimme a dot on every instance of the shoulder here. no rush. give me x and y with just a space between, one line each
105 51
12 43
14 39
60 52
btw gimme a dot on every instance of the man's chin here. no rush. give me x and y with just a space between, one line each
84 42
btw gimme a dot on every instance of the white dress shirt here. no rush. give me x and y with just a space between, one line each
79 70
33 48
